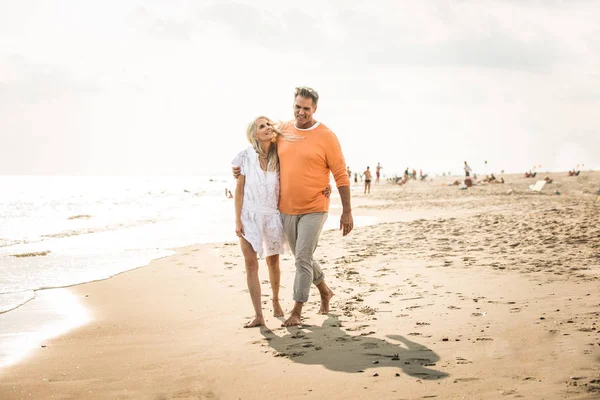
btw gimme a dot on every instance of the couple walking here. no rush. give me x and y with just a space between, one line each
282 192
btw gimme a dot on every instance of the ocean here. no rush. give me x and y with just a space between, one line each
59 231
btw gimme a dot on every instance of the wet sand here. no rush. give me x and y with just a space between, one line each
486 293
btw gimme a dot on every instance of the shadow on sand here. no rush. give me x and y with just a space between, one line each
335 349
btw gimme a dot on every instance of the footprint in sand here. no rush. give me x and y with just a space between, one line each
469 379
357 328
460 360
368 346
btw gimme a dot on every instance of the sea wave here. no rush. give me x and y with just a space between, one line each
87 231
32 254
80 216
10 301
10 242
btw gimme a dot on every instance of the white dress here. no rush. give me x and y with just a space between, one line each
260 208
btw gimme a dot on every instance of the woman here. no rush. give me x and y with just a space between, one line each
257 220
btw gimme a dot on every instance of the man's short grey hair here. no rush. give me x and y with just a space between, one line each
307 93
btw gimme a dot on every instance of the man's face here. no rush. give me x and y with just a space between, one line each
303 112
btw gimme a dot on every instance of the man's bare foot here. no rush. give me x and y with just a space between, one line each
325 302
258 321
277 310
293 320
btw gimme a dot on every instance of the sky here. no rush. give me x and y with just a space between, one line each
167 87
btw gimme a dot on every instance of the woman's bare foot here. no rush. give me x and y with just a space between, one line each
277 310
258 321
325 302
293 320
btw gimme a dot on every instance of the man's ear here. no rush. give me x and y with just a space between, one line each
314 109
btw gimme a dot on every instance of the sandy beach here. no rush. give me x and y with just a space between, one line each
485 293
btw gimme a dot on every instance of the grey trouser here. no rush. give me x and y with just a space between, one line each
302 232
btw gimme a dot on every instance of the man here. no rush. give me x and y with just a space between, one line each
367 175
377 172
305 165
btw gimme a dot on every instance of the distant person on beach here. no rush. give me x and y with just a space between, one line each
367 175
229 195
492 179
349 172
378 172
355 177
305 166
467 169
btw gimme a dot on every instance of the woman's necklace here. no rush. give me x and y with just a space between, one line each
264 162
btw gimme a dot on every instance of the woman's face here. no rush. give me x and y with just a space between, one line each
264 130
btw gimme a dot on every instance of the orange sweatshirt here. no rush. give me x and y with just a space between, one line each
304 168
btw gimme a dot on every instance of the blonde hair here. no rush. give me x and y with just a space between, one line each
272 158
